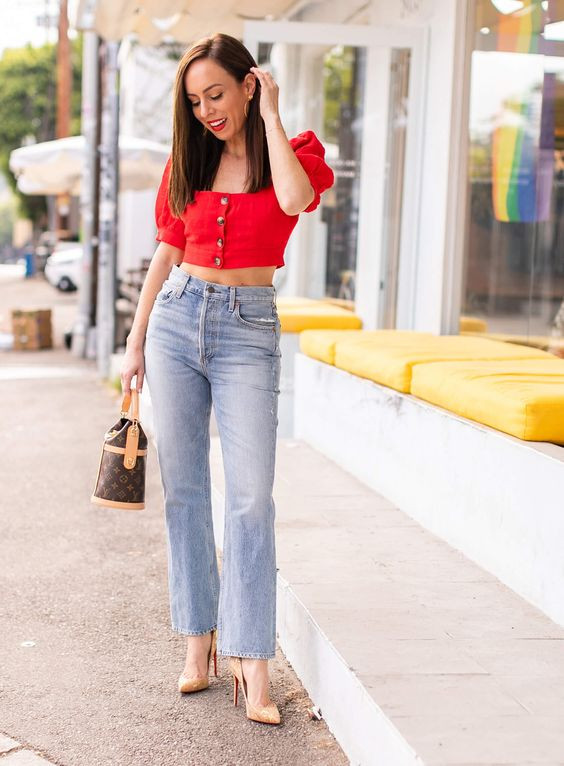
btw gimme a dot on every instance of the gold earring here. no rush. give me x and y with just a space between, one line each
204 130
246 107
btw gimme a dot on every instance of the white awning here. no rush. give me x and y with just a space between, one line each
55 167
155 21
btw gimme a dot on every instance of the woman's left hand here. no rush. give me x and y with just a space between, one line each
268 95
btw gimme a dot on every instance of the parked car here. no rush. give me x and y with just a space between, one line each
63 267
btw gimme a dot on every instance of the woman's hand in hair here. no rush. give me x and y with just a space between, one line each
268 96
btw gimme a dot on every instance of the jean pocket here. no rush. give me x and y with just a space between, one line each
260 315
166 293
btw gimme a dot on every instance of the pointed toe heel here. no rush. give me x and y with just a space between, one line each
197 683
264 714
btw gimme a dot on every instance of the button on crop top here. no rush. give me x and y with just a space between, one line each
234 230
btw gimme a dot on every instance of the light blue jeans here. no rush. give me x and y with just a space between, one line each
209 342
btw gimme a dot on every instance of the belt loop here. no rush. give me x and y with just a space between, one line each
231 297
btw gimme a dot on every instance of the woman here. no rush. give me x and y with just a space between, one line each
230 195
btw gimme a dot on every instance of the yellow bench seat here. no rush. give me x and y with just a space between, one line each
472 324
321 344
317 315
292 301
391 362
524 398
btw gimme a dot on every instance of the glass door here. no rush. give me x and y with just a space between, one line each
359 88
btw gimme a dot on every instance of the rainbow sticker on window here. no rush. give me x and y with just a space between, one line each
523 138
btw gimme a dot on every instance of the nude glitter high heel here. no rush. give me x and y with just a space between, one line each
267 714
195 683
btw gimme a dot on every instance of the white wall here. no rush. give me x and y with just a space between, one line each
136 229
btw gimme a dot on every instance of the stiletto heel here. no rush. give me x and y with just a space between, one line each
214 648
264 714
196 683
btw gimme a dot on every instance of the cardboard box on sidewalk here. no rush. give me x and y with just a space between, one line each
32 329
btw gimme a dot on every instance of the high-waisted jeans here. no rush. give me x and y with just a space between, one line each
209 342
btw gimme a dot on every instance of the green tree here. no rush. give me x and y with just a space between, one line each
28 90
338 83
6 223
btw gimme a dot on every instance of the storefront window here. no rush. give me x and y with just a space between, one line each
513 277
333 94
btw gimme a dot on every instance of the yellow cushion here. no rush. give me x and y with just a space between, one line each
318 315
291 301
320 344
342 302
472 324
392 364
524 398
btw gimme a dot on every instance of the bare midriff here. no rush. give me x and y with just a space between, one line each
255 276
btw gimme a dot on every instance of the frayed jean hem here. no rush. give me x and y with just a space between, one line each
255 656
193 632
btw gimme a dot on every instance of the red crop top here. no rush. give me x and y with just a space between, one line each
234 230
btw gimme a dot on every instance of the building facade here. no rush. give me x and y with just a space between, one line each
443 124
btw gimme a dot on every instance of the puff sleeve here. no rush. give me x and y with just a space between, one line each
310 152
169 228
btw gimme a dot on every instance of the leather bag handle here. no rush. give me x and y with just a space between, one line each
129 404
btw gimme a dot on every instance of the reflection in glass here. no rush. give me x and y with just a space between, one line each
344 97
514 255
322 88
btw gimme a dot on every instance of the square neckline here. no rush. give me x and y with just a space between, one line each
225 194
233 194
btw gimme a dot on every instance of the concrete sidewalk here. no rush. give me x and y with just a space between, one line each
414 653
89 663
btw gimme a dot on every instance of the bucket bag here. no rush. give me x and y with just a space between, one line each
120 482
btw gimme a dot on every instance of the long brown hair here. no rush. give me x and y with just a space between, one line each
196 154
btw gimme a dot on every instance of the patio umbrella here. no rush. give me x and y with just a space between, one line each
55 167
